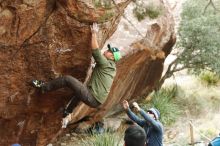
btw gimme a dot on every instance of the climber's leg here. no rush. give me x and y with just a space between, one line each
71 105
85 96
65 81
81 92
61 82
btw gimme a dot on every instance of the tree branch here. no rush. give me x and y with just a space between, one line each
123 15
212 4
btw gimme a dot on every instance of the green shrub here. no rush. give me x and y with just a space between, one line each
164 101
199 36
105 139
97 3
139 13
151 11
108 15
209 77
102 3
107 4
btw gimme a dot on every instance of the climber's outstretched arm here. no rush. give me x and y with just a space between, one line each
94 30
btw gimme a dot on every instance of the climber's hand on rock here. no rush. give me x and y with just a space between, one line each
94 42
94 28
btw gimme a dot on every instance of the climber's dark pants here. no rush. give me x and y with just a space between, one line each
82 93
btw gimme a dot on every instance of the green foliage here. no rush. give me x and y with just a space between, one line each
105 139
106 16
141 11
108 4
152 12
97 3
209 77
164 101
103 3
199 37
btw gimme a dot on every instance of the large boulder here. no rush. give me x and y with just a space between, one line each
46 39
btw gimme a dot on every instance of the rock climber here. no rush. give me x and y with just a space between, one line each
95 93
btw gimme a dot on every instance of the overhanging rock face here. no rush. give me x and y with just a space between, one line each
46 39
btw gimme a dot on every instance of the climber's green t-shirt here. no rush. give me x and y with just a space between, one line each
102 76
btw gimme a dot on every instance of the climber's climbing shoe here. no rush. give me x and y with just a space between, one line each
65 121
37 83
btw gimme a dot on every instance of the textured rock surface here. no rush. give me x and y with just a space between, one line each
46 39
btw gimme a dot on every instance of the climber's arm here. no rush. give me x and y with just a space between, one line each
96 52
94 42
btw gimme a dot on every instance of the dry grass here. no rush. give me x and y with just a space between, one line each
200 104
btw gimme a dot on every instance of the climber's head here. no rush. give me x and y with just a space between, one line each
134 136
112 53
155 112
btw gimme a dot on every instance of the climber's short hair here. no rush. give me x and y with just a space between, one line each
135 136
